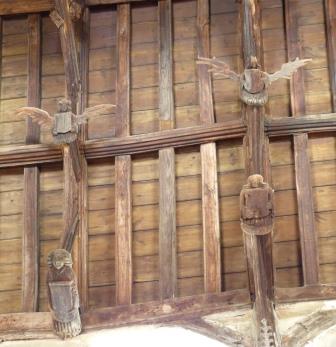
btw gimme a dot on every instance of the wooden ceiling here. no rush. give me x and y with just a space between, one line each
156 185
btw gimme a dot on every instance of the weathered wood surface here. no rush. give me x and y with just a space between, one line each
70 214
210 212
167 229
69 50
308 236
123 212
258 248
30 239
83 277
330 19
304 331
34 154
167 236
14 326
321 123
210 204
21 6
310 293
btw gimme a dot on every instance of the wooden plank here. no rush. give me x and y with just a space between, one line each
39 324
330 19
310 293
166 97
308 236
210 212
123 178
304 191
210 205
83 184
123 230
30 239
167 229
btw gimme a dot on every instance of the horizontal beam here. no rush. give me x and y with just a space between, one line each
304 124
39 324
34 6
40 154
308 293
169 138
29 155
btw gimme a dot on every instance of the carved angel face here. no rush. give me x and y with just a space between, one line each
59 258
64 105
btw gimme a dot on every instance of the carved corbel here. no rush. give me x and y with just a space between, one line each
63 294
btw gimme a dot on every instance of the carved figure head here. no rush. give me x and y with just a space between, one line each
64 105
59 258
255 181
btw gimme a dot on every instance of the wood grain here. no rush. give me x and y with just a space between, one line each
210 204
83 278
167 229
30 239
123 212
330 18
167 233
308 237
123 229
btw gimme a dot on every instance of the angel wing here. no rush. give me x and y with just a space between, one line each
95 111
37 115
287 70
219 67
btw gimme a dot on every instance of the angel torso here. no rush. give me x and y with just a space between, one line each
64 123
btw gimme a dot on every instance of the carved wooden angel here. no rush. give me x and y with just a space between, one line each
256 206
64 124
254 83
63 294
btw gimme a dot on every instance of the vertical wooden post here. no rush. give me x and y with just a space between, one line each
308 236
123 179
167 231
330 18
83 185
30 244
258 247
210 204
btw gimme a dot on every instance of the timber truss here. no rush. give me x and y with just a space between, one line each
254 128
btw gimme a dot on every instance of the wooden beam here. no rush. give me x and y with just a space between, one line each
69 49
123 178
34 6
38 325
167 230
30 239
330 19
258 247
310 327
70 213
308 236
210 204
15 156
83 280
320 123
309 293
